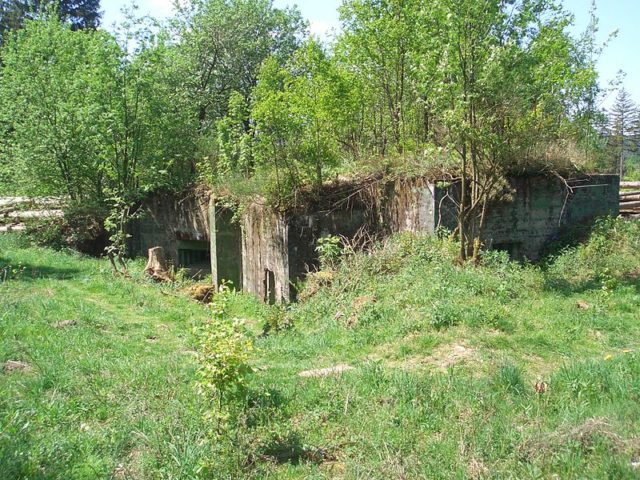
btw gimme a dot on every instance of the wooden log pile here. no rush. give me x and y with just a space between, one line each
630 199
15 212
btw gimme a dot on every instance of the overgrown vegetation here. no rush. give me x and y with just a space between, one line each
496 370
236 94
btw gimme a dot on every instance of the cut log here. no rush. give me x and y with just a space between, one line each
157 267
628 194
629 184
628 205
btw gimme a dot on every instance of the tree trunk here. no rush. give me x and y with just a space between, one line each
157 266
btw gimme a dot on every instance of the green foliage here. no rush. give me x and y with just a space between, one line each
624 134
221 46
608 257
276 319
329 250
224 350
51 86
509 377
81 228
80 14
89 117
234 142
112 354
11 272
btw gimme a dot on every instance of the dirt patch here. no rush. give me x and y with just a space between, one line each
16 366
582 305
65 324
476 469
443 357
586 435
201 292
450 355
359 304
325 372
314 281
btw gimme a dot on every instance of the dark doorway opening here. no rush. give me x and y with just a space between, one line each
269 287
195 256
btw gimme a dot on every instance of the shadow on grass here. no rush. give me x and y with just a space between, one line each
290 449
20 271
567 288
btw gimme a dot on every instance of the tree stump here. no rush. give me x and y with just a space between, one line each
157 266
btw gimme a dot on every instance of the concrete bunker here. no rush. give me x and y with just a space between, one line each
267 252
283 244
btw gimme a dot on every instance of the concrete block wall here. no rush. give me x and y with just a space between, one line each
225 246
265 258
543 208
167 219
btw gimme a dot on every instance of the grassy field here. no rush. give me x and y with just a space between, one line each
495 371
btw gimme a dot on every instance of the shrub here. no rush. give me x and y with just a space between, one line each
224 348
444 315
81 228
329 251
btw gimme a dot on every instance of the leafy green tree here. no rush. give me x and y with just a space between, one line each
233 139
52 88
222 43
299 111
80 14
495 85
88 119
378 40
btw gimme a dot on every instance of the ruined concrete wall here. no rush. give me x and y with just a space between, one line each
265 265
408 205
226 246
169 218
541 210
346 219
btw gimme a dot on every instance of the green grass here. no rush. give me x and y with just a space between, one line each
445 362
112 392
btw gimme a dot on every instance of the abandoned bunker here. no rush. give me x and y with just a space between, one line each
267 252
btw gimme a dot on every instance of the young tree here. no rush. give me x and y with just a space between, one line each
494 84
52 86
623 122
378 41
87 119
299 111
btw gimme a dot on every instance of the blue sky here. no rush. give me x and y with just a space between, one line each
621 15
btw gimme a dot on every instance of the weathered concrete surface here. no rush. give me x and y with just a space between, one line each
226 246
265 265
540 211
168 220
269 251
543 208
409 205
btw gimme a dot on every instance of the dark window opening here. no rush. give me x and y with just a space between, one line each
193 253
513 248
